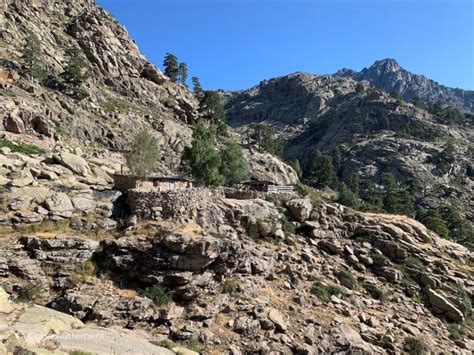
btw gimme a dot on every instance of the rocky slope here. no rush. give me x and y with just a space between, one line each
238 279
389 76
126 93
374 132
164 273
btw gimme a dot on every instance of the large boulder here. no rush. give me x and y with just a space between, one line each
74 162
59 202
300 209
14 124
443 304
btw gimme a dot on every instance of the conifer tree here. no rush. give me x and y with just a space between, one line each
32 58
197 88
182 73
234 166
75 72
212 110
320 170
202 157
170 64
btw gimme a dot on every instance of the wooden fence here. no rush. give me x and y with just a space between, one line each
274 189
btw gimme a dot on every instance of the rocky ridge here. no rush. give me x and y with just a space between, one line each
388 75
374 132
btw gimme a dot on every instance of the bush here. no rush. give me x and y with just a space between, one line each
346 279
414 346
30 291
158 294
287 227
196 345
83 272
230 286
116 104
376 292
18 147
307 191
324 292
144 155
80 352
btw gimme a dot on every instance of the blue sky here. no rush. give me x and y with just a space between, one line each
234 44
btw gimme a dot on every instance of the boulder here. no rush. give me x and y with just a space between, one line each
300 209
14 124
276 317
21 177
74 162
59 202
443 304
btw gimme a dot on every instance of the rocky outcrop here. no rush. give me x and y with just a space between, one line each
388 75
366 130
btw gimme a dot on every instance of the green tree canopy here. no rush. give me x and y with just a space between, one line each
75 72
170 63
182 73
202 157
212 110
33 58
144 155
296 165
197 88
234 166
396 199
320 171
265 137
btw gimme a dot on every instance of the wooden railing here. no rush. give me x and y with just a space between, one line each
273 189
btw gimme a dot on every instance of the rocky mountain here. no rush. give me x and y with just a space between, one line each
373 132
388 75
86 267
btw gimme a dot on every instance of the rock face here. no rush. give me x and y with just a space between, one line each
388 75
371 132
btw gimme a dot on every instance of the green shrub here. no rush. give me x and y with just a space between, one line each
376 292
80 352
116 104
456 331
287 227
414 346
30 291
18 147
307 191
158 294
324 292
144 155
230 286
196 345
346 279
7 93
83 272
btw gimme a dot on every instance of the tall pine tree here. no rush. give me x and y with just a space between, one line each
75 73
234 166
170 64
182 73
33 58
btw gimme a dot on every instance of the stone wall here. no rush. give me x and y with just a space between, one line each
178 205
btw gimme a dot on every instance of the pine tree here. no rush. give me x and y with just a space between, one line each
347 197
170 64
396 200
197 88
265 137
182 73
234 166
296 165
75 74
320 171
397 95
33 58
202 157
213 111
144 155
417 101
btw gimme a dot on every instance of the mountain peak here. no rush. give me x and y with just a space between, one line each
387 64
